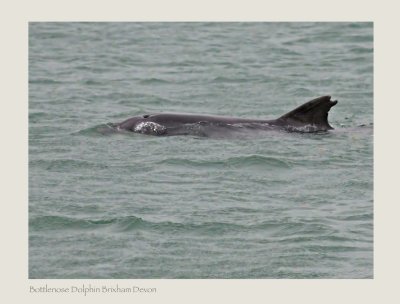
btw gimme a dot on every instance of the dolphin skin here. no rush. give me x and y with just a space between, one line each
309 117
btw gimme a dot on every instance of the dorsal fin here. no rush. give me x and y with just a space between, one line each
314 112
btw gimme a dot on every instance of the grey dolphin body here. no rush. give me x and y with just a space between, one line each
309 117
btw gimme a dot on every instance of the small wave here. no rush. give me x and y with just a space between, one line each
236 210
148 99
236 162
44 81
304 92
99 130
185 63
63 164
359 217
256 160
92 82
297 41
153 81
285 51
91 68
60 222
362 50
127 223
224 79
131 223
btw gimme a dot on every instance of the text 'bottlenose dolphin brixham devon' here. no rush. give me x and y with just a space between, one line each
309 117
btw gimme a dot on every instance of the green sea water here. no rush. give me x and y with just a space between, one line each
259 205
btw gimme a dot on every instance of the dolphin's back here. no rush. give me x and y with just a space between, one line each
309 117
183 118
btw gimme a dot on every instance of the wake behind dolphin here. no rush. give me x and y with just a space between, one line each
309 117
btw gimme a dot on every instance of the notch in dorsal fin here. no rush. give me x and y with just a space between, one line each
314 112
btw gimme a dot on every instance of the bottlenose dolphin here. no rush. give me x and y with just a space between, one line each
309 117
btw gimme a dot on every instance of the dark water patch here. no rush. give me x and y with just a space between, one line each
93 82
35 117
354 59
317 237
362 217
362 50
154 81
358 38
45 81
336 248
359 25
63 165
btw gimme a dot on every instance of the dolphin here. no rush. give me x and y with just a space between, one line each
309 117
